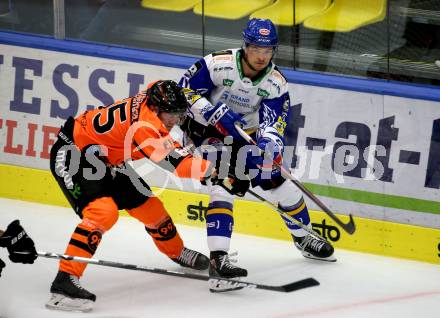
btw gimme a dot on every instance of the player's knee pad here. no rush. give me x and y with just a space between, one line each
101 213
218 193
286 195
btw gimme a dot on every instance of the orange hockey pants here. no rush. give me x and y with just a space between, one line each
101 214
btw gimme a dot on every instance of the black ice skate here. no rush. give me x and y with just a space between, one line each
68 295
314 248
192 259
221 267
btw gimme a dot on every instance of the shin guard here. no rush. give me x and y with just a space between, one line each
160 226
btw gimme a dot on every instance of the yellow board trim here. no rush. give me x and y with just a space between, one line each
254 218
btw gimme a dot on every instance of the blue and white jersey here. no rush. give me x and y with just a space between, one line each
264 102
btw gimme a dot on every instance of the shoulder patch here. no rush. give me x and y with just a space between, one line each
197 66
224 52
280 77
223 58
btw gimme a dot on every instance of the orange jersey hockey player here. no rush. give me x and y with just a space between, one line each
88 160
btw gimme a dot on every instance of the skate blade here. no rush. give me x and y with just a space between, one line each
64 303
217 285
326 259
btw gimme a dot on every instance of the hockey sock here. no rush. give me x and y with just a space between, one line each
300 213
83 243
219 224
98 217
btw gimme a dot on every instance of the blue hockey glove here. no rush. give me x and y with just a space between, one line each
271 148
272 152
224 120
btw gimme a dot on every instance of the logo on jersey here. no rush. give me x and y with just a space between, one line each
223 68
225 96
167 144
191 95
136 105
194 69
179 153
222 58
224 52
240 101
228 82
264 32
262 92
83 120
280 125
194 98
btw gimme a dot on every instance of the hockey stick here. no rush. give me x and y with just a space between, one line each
349 227
274 207
232 284
285 215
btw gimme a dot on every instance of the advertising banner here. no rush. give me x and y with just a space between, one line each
370 155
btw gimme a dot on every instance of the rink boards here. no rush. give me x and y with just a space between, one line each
391 178
354 144
253 218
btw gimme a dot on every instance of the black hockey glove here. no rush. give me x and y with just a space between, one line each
2 265
233 185
20 246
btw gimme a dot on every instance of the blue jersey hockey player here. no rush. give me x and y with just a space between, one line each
244 85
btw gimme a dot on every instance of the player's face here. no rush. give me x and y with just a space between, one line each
170 119
258 56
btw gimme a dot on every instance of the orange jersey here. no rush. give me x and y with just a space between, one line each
129 129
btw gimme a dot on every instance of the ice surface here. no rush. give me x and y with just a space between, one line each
358 285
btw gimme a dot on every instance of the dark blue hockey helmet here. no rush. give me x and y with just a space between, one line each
260 32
